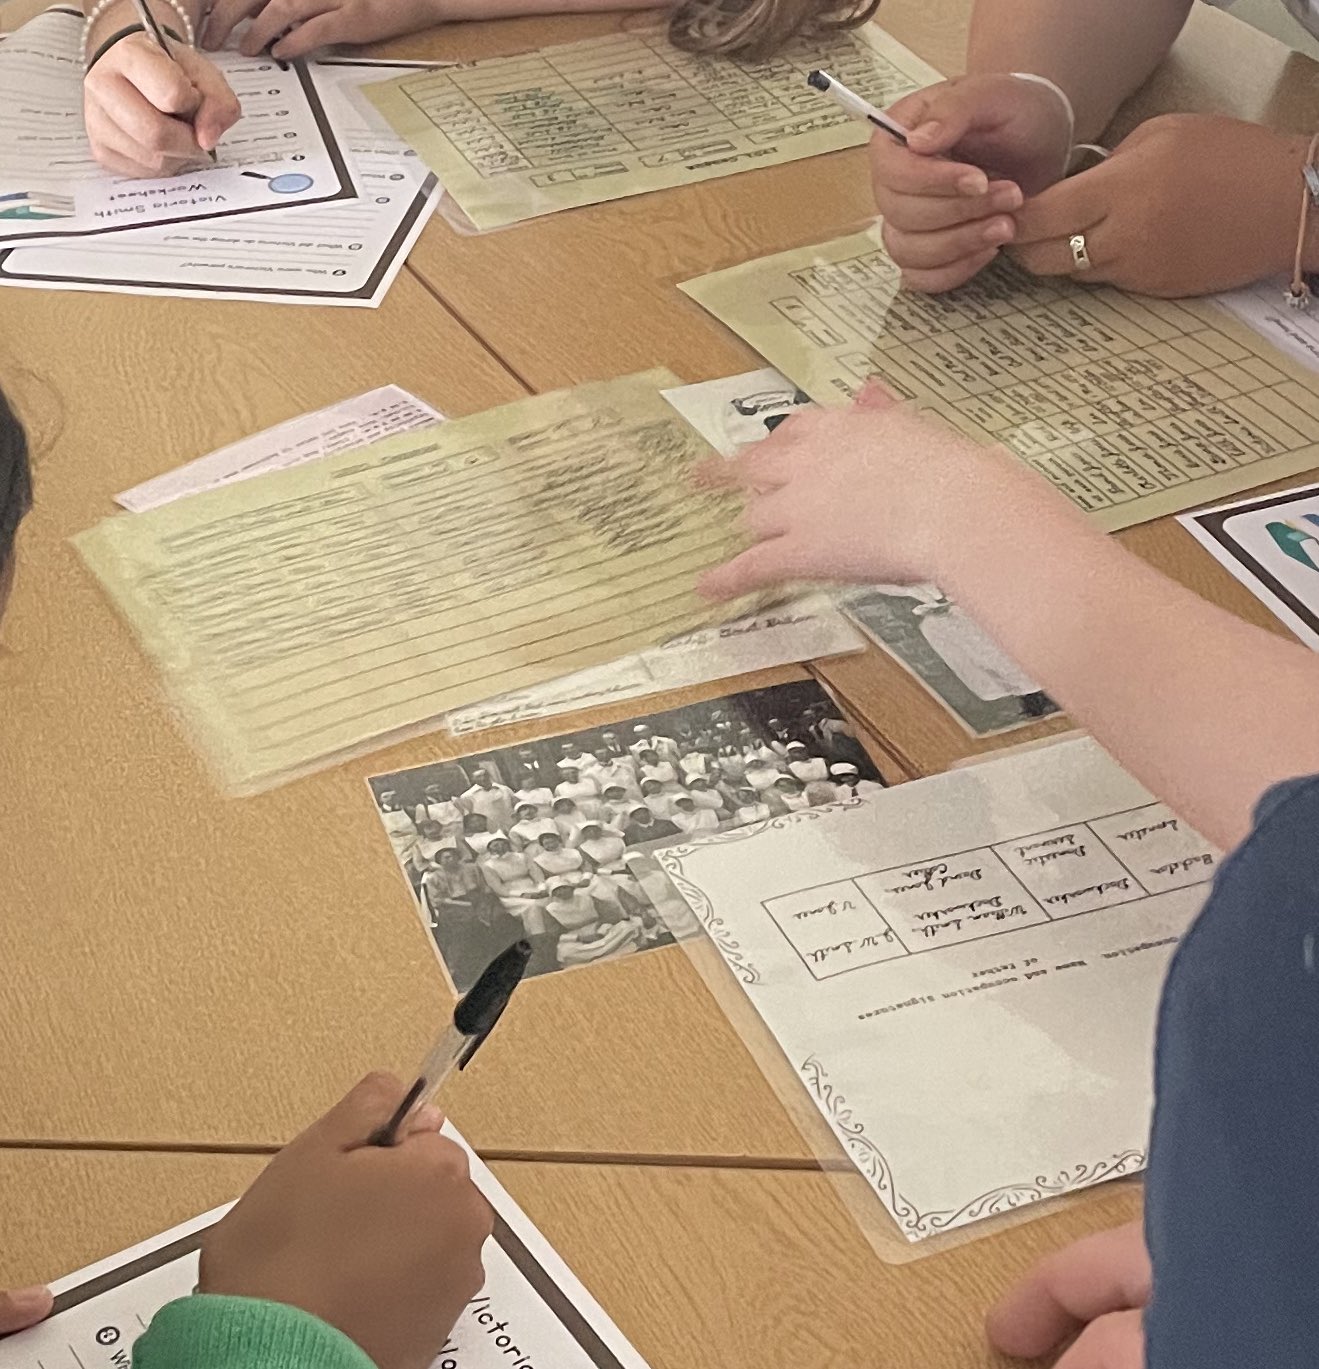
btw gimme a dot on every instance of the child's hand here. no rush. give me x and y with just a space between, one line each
149 116
944 217
23 1307
293 28
872 493
1097 1287
382 1243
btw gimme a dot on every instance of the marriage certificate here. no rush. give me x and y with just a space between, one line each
964 971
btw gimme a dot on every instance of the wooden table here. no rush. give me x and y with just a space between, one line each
728 1267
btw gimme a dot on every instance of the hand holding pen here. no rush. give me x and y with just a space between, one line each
151 111
945 216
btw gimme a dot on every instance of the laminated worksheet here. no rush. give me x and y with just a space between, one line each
308 613
344 252
1133 407
282 151
581 123
964 971
532 1311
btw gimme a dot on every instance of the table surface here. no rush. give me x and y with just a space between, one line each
667 1251
187 970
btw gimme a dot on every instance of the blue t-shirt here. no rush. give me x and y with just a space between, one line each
1232 1195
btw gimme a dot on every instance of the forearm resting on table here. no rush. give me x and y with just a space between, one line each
1206 710
1098 51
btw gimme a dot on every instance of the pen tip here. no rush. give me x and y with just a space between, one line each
818 79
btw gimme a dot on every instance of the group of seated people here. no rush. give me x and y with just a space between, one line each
547 856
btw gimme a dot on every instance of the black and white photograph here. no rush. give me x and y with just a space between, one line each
551 840
951 655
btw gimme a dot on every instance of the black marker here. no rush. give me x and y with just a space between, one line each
473 1020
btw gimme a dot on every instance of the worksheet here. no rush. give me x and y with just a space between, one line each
282 151
1264 307
341 427
964 971
345 252
735 411
311 612
1271 544
581 123
1133 407
532 1311
805 629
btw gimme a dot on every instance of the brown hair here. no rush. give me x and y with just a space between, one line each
759 28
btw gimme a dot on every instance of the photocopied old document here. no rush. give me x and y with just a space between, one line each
532 1311
514 137
282 151
964 971
345 252
309 612
1134 407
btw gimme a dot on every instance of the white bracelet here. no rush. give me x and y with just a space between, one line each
100 7
1073 146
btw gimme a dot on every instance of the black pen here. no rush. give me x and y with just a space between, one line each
473 1020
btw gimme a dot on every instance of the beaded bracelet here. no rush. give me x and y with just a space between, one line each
100 7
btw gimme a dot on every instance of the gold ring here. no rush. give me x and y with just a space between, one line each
1080 257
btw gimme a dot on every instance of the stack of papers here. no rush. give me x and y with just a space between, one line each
313 198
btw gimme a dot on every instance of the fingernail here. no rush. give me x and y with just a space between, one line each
973 183
1008 198
928 131
25 1300
428 1118
1000 230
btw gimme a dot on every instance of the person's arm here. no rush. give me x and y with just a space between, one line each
1206 710
1098 51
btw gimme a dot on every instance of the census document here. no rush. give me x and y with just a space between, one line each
305 613
514 137
964 971
1134 407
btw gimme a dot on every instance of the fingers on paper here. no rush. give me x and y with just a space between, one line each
319 32
23 1307
767 563
1102 1274
133 138
929 251
275 19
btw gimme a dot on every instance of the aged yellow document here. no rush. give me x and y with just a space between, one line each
303 614
514 137
1134 407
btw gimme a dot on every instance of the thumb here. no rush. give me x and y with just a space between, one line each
23 1307
949 115
369 1104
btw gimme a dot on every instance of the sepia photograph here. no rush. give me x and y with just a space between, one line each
550 840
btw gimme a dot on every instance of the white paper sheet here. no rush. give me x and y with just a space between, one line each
1271 544
281 152
1263 308
338 427
533 1311
341 253
964 971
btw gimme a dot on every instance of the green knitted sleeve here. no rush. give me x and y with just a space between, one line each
208 1331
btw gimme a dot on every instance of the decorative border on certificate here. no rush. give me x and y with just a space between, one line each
914 1224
